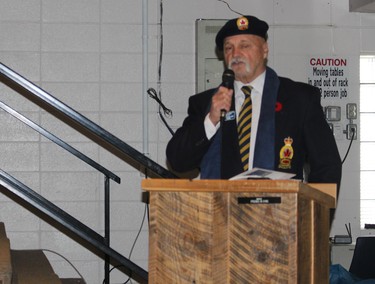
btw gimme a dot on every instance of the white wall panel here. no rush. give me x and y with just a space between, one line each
70 67
20 37
20 10
88 53
67 11
70 37
296 12
25 63
81 96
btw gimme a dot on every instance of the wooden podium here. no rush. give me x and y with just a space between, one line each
251 231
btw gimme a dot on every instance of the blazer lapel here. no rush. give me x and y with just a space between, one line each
264 154
230 162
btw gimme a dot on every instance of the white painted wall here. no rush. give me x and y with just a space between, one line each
88 53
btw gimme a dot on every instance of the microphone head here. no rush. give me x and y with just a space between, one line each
228 78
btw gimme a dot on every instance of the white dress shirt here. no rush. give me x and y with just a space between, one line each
256 97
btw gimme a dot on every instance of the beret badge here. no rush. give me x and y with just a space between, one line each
242 23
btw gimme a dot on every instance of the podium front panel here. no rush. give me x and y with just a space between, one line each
223 238
279 235
188 237
263 238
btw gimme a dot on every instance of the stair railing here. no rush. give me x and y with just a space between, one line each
108 174
97 134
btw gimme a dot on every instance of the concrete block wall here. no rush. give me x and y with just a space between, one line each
88 54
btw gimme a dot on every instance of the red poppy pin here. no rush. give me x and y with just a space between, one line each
278 107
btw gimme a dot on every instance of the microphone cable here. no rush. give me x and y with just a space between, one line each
167 112
350 145
151 91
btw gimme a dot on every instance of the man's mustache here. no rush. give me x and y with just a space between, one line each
236 60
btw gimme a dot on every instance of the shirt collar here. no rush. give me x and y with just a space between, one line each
257 84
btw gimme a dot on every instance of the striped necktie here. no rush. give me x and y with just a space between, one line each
244 127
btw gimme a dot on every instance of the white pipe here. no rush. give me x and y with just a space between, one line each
145 76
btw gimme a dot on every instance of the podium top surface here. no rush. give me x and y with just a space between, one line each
323 193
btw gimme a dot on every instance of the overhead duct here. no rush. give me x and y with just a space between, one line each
362 6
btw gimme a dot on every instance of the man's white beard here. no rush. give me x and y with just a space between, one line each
235 60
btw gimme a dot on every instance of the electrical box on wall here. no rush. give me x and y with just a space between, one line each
333 113
351 111
209 63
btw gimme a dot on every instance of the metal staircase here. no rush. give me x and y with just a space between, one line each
46 210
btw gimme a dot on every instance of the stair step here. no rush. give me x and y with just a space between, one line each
5 260
32 267
27 266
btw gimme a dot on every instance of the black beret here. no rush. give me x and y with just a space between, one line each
240 26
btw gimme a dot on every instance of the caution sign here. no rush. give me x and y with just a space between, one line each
330 75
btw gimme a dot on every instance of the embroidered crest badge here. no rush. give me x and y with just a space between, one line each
286 154
242 23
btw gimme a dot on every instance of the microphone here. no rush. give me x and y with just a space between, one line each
228 80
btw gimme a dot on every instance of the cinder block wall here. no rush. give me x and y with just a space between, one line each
88 53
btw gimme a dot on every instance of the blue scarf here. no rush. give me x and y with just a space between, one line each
264 154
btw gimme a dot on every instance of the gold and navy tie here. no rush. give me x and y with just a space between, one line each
244 127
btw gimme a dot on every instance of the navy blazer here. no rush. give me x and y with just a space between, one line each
293 136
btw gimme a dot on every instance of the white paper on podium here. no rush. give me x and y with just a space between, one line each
257 173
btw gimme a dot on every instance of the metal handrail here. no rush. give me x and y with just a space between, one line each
59 142
15 80
143 163
9 184
108 174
